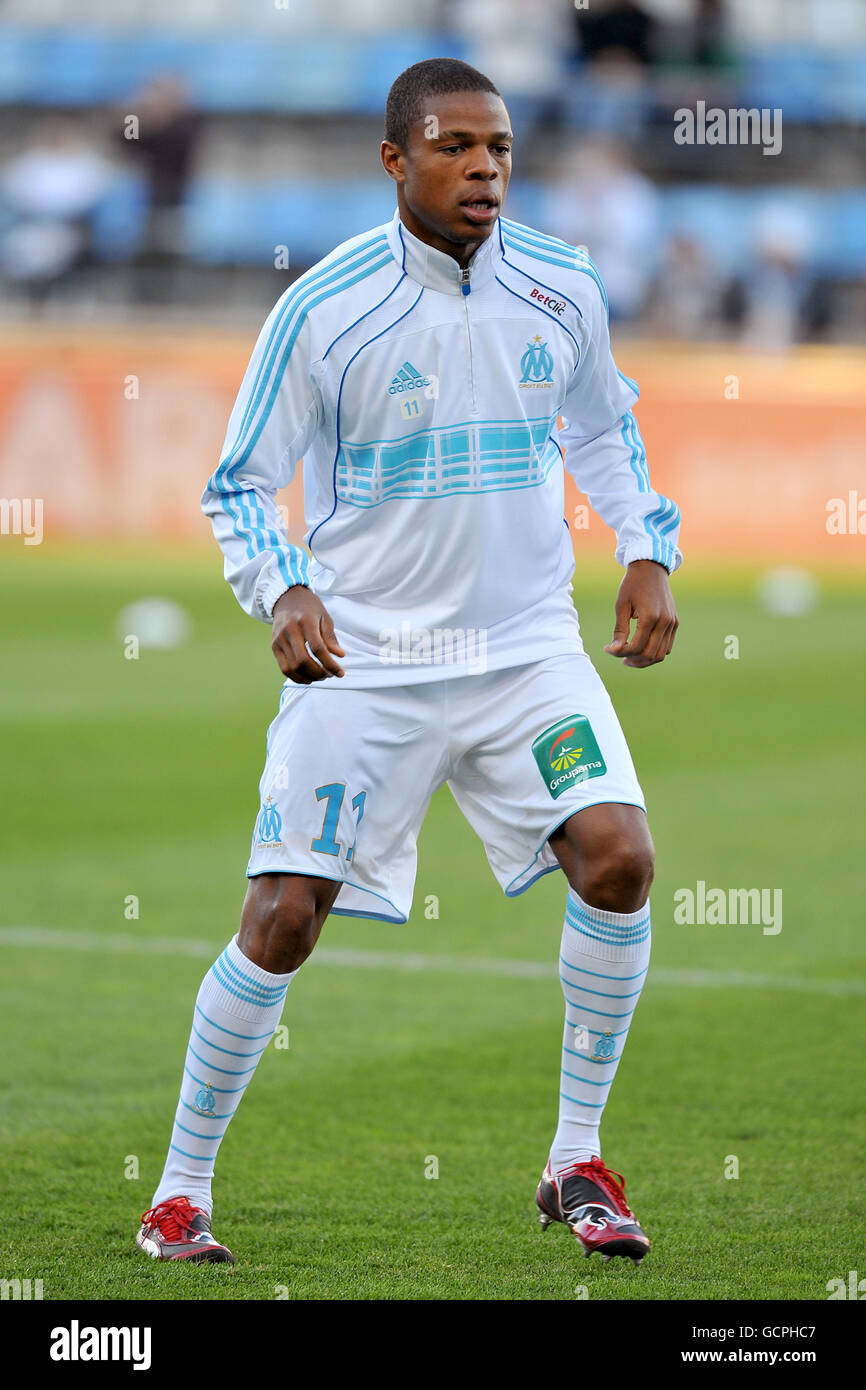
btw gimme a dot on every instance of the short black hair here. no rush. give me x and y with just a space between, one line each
434 77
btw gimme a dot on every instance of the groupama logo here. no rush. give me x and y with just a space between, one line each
568 753
567 756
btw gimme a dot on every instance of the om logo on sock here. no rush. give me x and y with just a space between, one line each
604 1048
205 1101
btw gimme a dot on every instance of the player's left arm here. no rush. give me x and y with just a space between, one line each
604 452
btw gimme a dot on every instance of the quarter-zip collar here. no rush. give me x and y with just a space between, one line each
436 270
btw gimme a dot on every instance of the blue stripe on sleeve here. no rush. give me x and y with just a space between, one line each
269 374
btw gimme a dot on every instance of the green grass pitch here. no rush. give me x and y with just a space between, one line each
139 777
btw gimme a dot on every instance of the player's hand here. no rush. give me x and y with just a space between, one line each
303 638
644 594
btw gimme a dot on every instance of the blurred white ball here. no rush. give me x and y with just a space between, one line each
156 622
787 592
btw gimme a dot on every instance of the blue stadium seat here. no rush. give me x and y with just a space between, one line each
152 54
593 105
19 76
232 222
119 221
229 71
76 67
713 216
238 71
376 62
222 225
849 88
809 84
841 249
724 221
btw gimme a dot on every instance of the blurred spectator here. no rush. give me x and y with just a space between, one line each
207 192
616 30
609 91
693 34
776 290
602 202
522 46
163 145
50 192
687 293
709 45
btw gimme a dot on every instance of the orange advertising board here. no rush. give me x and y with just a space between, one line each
117 431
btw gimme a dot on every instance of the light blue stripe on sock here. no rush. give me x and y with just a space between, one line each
226 1071
198 1158
244 994
247 1037
600 1012
602 993
585 1079
596 1032
623 938
221 1090
227 1050
244 981
588 1105
195 1134
214 1114
598 975
573 909
602 1061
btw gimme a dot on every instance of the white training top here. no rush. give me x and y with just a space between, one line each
423 400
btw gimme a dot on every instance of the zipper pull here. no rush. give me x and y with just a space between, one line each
464 281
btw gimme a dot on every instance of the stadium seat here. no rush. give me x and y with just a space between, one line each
809 84
231 222
119 221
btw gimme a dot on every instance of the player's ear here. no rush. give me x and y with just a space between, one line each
393 161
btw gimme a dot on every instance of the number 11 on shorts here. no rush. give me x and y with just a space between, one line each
333 793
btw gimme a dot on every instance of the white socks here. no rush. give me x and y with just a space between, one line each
602 965
237 1010
603 962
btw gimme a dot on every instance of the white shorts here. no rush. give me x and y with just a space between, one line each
350 773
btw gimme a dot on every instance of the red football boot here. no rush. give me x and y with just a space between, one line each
590 1200
174 1230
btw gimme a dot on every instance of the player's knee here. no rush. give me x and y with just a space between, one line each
618 877
281 921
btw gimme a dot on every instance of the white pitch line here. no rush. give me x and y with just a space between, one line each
47 938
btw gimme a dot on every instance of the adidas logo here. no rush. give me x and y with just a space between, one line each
407 379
